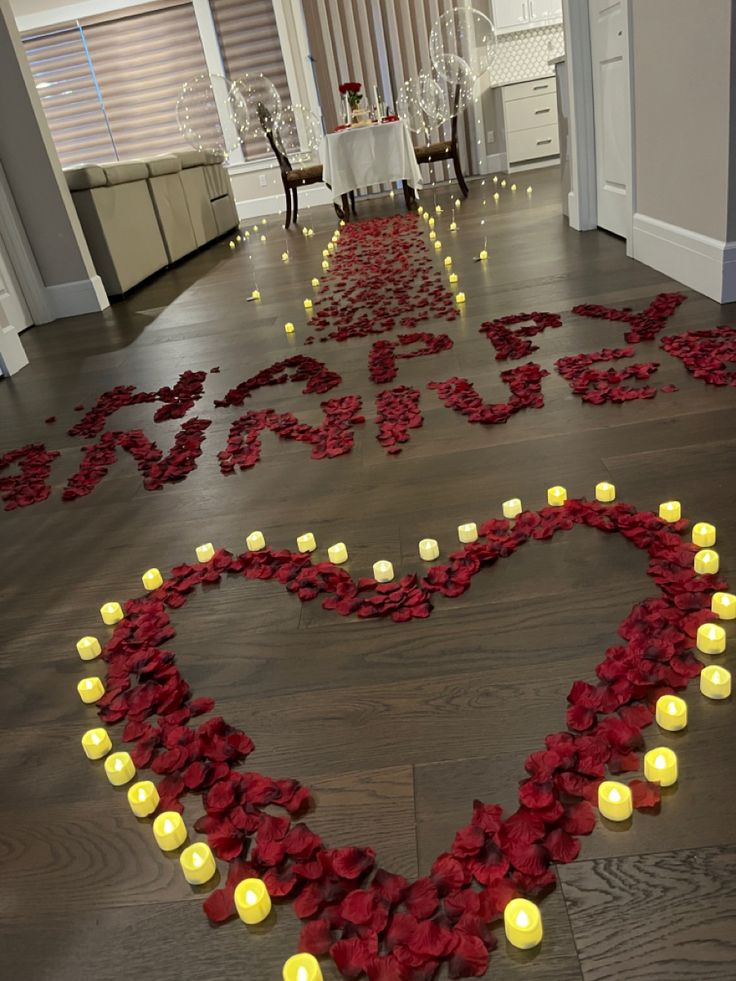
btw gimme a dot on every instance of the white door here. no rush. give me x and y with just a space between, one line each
609 43
14 310
510 15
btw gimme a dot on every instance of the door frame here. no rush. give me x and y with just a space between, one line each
583 197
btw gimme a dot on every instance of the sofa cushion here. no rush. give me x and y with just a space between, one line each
84 176
126 171
167 163
192 158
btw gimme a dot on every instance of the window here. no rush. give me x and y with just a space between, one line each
250 43
109 84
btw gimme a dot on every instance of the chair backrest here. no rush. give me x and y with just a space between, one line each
453 117
284 163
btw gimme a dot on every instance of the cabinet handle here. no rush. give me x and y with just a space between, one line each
542 142
538 87
541 112
523 12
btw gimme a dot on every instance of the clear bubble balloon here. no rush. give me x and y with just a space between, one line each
462 39
433 99
205 104
262 100
409 106
299 132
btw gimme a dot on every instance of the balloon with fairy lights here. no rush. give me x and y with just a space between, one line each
298 132
433 99
462 39
211 114
262 100
409 107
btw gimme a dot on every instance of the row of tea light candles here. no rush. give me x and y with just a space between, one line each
426 216
522 918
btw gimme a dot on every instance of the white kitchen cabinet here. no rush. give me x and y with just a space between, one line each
510 15
521 15
530 121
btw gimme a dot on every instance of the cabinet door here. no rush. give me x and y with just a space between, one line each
510 15
545 11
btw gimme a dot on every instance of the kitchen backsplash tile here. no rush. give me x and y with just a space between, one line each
524 55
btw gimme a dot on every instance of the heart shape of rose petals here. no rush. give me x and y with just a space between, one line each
368 919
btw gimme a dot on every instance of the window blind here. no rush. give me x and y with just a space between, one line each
249 43
141 62
68 94
109 84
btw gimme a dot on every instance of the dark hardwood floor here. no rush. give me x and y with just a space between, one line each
395 727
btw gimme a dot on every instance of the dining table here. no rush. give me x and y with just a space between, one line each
361 156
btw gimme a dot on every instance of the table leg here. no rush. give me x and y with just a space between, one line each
345 208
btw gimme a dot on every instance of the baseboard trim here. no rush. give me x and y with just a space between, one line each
705 264
274 204
73 299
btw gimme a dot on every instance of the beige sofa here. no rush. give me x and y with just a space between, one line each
139 216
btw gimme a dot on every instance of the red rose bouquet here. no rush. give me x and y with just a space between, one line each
352 90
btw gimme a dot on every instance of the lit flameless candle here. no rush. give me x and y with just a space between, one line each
325 254
431 222
307 304
460 298
255 295
383 571
306 542
495 179
706 561
453 226
468 532
425 216
330 246
285 256
428 549
420 210
119 768
438 245
231 244
89 648
503 182
724 604
670 511
605 492
511 507
205 552
529 189
432 236
90 690
337 553
711 639
438 209
704 534
496 196
111 613
513 187
325 264
522 923
255 541
143 798
458 202
556 496
315 281
483 254
614 801
671 713
302 967
197 863
152 579
263 238
289 327
252 901
453 277
96 743
660 766
169 831
715 682
448 260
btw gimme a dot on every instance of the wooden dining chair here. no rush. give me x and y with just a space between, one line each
446 149
293 178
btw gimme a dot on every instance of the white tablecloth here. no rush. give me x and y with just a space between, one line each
364 155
